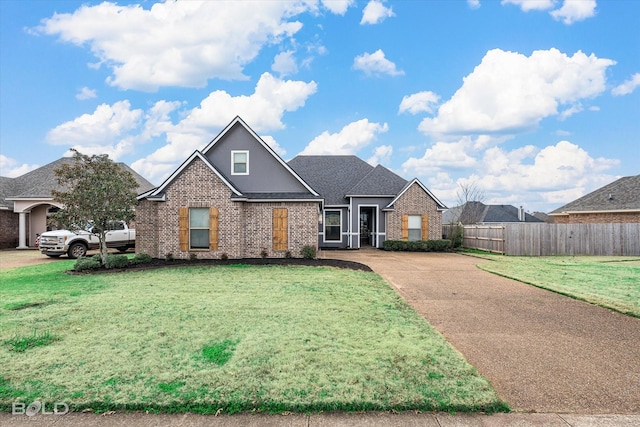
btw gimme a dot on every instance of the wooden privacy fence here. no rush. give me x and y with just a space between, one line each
539 239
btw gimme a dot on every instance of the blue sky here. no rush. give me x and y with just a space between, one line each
536 102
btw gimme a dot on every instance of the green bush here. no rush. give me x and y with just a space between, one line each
442 245
140 259
116 261
84 263
308 252
456 236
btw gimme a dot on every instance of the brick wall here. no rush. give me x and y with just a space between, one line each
415 201
147 228
302 220
244 229
8 229
595 218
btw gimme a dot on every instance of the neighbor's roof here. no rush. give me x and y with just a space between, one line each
39 183
477 212
620 195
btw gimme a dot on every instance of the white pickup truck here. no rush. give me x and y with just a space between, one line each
76 243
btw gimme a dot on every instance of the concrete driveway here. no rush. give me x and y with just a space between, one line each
542 352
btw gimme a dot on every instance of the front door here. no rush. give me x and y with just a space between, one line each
367 226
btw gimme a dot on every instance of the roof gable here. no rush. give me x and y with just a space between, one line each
380 181
158 192
331 176
622 194
416 181
267 172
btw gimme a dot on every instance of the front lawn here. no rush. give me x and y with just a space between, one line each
612 282
230 338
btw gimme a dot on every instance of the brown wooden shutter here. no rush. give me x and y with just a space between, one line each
405 227
280 229
184 229
213 229
425 227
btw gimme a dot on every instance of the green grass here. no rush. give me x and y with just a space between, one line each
21 343
611 282
229 338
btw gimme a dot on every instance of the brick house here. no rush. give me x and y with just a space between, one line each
237 197
617 202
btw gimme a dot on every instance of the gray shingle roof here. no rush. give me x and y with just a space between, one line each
40 182
379 182
478 212
331 176
622 194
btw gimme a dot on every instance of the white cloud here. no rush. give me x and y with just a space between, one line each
106 130
574 11
284 63
375 12
262 110
534 177
375 64
573 109
271 142
442 155
628 86
86 93
473 4
419 102
527 5
571 10
349 140
510 92
381 154
10 168
177 43
554 168
339 7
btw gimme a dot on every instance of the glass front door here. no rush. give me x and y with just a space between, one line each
367 226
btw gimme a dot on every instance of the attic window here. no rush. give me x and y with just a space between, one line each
239 163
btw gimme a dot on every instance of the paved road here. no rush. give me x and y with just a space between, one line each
542 352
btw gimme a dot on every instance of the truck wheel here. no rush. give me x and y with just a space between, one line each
122 249
77 250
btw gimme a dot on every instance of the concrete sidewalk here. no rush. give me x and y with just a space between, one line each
138 419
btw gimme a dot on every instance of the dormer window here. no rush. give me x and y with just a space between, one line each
240 163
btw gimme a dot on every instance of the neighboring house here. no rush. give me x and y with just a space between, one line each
238 198
479 213
618 202
26 202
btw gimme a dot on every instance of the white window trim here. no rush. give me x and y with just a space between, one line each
324 226
233 153
191 248
419 229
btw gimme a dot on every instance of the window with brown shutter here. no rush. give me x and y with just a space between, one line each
280 229
198 228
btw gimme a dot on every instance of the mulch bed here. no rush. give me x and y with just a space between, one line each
162 263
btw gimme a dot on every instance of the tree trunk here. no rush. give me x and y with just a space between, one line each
103 247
